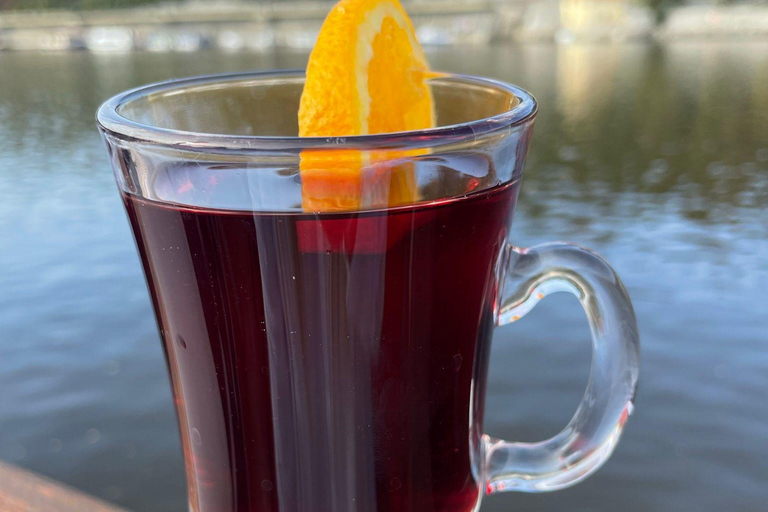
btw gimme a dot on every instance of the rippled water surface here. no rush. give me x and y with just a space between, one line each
656 157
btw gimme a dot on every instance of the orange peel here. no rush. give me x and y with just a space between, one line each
366 75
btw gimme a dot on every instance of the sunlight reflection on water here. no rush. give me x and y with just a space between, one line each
655 156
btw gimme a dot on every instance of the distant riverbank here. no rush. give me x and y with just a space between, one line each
294 25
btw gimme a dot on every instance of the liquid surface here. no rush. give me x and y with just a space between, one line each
327 364
636 154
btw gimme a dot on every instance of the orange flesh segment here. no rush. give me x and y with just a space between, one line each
400 99
366 75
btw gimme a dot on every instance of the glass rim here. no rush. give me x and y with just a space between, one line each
110 120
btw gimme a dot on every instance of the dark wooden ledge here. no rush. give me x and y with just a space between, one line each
22 491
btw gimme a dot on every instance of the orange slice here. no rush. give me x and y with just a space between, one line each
367 74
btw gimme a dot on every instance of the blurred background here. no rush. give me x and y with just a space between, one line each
651 147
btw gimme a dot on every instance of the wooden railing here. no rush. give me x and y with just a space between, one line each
22 491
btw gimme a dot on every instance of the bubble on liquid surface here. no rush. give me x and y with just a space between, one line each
92 436
394 484
457 359
196 438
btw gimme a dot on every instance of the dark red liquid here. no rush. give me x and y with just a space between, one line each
327 365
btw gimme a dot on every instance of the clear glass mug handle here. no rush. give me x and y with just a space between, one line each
590 437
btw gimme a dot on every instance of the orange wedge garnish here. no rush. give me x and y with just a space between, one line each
366 75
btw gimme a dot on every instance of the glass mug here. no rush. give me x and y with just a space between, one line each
335 358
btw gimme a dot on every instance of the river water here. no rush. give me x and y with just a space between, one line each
655 156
